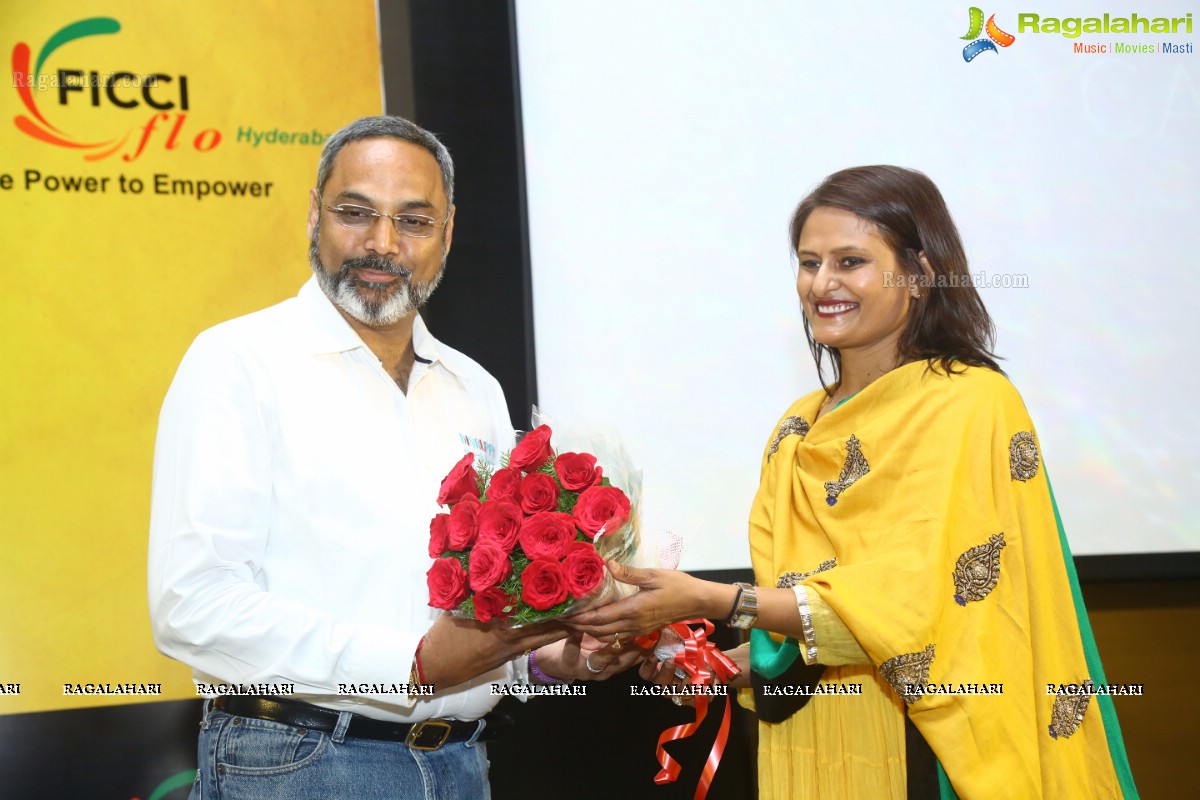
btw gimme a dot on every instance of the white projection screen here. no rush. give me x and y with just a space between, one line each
667 142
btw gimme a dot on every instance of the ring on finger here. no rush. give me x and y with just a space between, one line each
616 643
587 662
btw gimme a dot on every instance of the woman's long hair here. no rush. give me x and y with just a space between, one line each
948 324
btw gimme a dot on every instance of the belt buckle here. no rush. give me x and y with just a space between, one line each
418 730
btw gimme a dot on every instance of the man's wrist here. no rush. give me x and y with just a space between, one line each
416 672
418 669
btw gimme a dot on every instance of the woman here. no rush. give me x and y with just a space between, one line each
904 539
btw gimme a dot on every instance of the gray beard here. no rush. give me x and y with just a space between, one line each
364 304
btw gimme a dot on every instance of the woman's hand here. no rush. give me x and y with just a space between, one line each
664 673
740 656
664 596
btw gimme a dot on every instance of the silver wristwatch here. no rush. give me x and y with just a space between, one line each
745 611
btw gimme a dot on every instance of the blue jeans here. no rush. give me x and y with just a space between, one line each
253 759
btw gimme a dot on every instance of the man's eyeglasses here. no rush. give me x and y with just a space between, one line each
360 218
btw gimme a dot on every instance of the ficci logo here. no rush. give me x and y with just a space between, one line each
995 36
166 94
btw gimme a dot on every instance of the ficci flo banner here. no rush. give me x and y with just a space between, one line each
154 168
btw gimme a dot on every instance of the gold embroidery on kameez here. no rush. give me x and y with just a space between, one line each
978 570
789 579
1023 456
855 467
908 673
1068 711
789 426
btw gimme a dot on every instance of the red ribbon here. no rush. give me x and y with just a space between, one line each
704 663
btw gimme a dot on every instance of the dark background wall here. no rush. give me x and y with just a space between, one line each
461 70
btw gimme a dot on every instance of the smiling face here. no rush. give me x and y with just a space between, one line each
377 276
855 295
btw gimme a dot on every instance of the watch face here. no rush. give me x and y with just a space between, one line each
747 610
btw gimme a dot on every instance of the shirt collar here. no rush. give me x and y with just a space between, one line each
426 347
329 332
326 330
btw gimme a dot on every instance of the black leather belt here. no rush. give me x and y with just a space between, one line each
426 735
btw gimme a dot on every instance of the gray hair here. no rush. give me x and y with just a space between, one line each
387 127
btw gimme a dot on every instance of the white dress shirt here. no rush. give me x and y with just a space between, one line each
293 488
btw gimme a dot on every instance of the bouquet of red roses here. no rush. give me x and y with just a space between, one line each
527 542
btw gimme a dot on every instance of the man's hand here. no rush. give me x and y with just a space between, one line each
570 658
457 650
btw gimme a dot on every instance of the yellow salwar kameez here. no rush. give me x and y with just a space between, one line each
919 520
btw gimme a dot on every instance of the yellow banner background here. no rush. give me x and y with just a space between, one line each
103 290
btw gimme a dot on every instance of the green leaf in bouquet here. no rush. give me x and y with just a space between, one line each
483 477
527 614
567 500
511 586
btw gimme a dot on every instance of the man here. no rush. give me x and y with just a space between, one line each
299 453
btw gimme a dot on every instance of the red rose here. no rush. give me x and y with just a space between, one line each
439 535
547 534
447 583
464 521
543 584
533 450
583 568
499 522
490 604
601 507
487 566
539 492
576 471
462 480
505 485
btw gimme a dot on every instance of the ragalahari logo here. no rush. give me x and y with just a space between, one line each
995 36
117 89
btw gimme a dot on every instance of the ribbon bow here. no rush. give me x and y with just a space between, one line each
703 663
